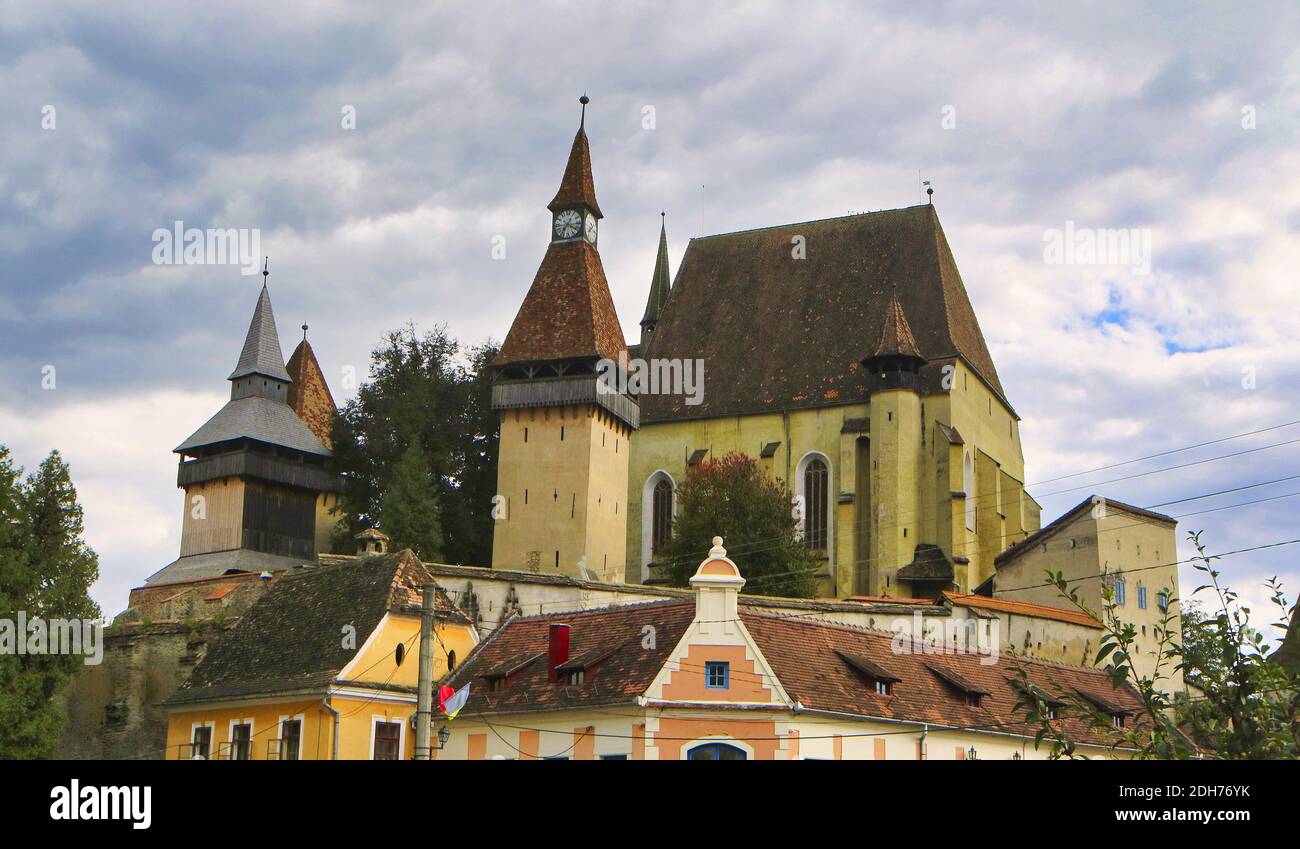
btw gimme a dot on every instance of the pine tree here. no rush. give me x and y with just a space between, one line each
46 570
425 386
409 512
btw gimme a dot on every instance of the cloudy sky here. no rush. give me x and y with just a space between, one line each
1178 123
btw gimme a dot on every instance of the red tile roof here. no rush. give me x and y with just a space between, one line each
811 660
577 187
568 312
1024 608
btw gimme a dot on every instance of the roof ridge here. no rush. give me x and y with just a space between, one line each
809 221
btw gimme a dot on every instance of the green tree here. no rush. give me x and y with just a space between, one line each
733 498
423 387
409 511
1242 705
46 570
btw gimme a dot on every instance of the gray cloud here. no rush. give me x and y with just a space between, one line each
229 116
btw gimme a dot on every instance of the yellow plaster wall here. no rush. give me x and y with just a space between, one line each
565 495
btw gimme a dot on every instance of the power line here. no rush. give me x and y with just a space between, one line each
1165 453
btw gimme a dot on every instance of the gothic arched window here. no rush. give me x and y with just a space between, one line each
816 489
661 527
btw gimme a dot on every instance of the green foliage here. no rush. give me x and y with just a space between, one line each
409 511
731 497
1250 707
423 389
1243 706
46 570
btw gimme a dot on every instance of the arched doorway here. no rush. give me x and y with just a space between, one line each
717 752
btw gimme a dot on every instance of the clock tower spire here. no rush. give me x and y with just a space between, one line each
565 422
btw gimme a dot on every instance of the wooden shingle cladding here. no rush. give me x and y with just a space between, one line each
778 333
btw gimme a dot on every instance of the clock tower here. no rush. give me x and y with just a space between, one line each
563 462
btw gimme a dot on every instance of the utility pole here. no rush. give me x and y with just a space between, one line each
424 699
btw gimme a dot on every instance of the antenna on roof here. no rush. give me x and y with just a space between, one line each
701 209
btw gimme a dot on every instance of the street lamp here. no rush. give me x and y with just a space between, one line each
971 754
443 736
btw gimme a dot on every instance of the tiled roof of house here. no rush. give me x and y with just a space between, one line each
821 665
781 333
618 678
805 657
1023 608
1060 523
290 640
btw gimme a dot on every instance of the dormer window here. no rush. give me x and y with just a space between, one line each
972 693
878 678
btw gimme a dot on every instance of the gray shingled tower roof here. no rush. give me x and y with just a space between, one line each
258 409
261 354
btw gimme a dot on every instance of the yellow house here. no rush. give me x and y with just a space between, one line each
711 678
324 666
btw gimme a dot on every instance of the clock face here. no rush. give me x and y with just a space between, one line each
591 228
567 224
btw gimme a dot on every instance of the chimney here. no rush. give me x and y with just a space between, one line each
717 586
557 650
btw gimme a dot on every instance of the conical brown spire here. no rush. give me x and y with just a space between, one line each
309 394
577 188
568 312
660 283
896 338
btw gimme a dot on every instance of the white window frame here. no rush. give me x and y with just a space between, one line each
302 732
377 718
211 725
230 736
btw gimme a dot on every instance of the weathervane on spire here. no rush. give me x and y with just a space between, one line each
304 331
929 190
584 100
266 263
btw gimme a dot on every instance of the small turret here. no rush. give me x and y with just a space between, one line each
897 360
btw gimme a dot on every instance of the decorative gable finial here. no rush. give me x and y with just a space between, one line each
584 100
717 550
